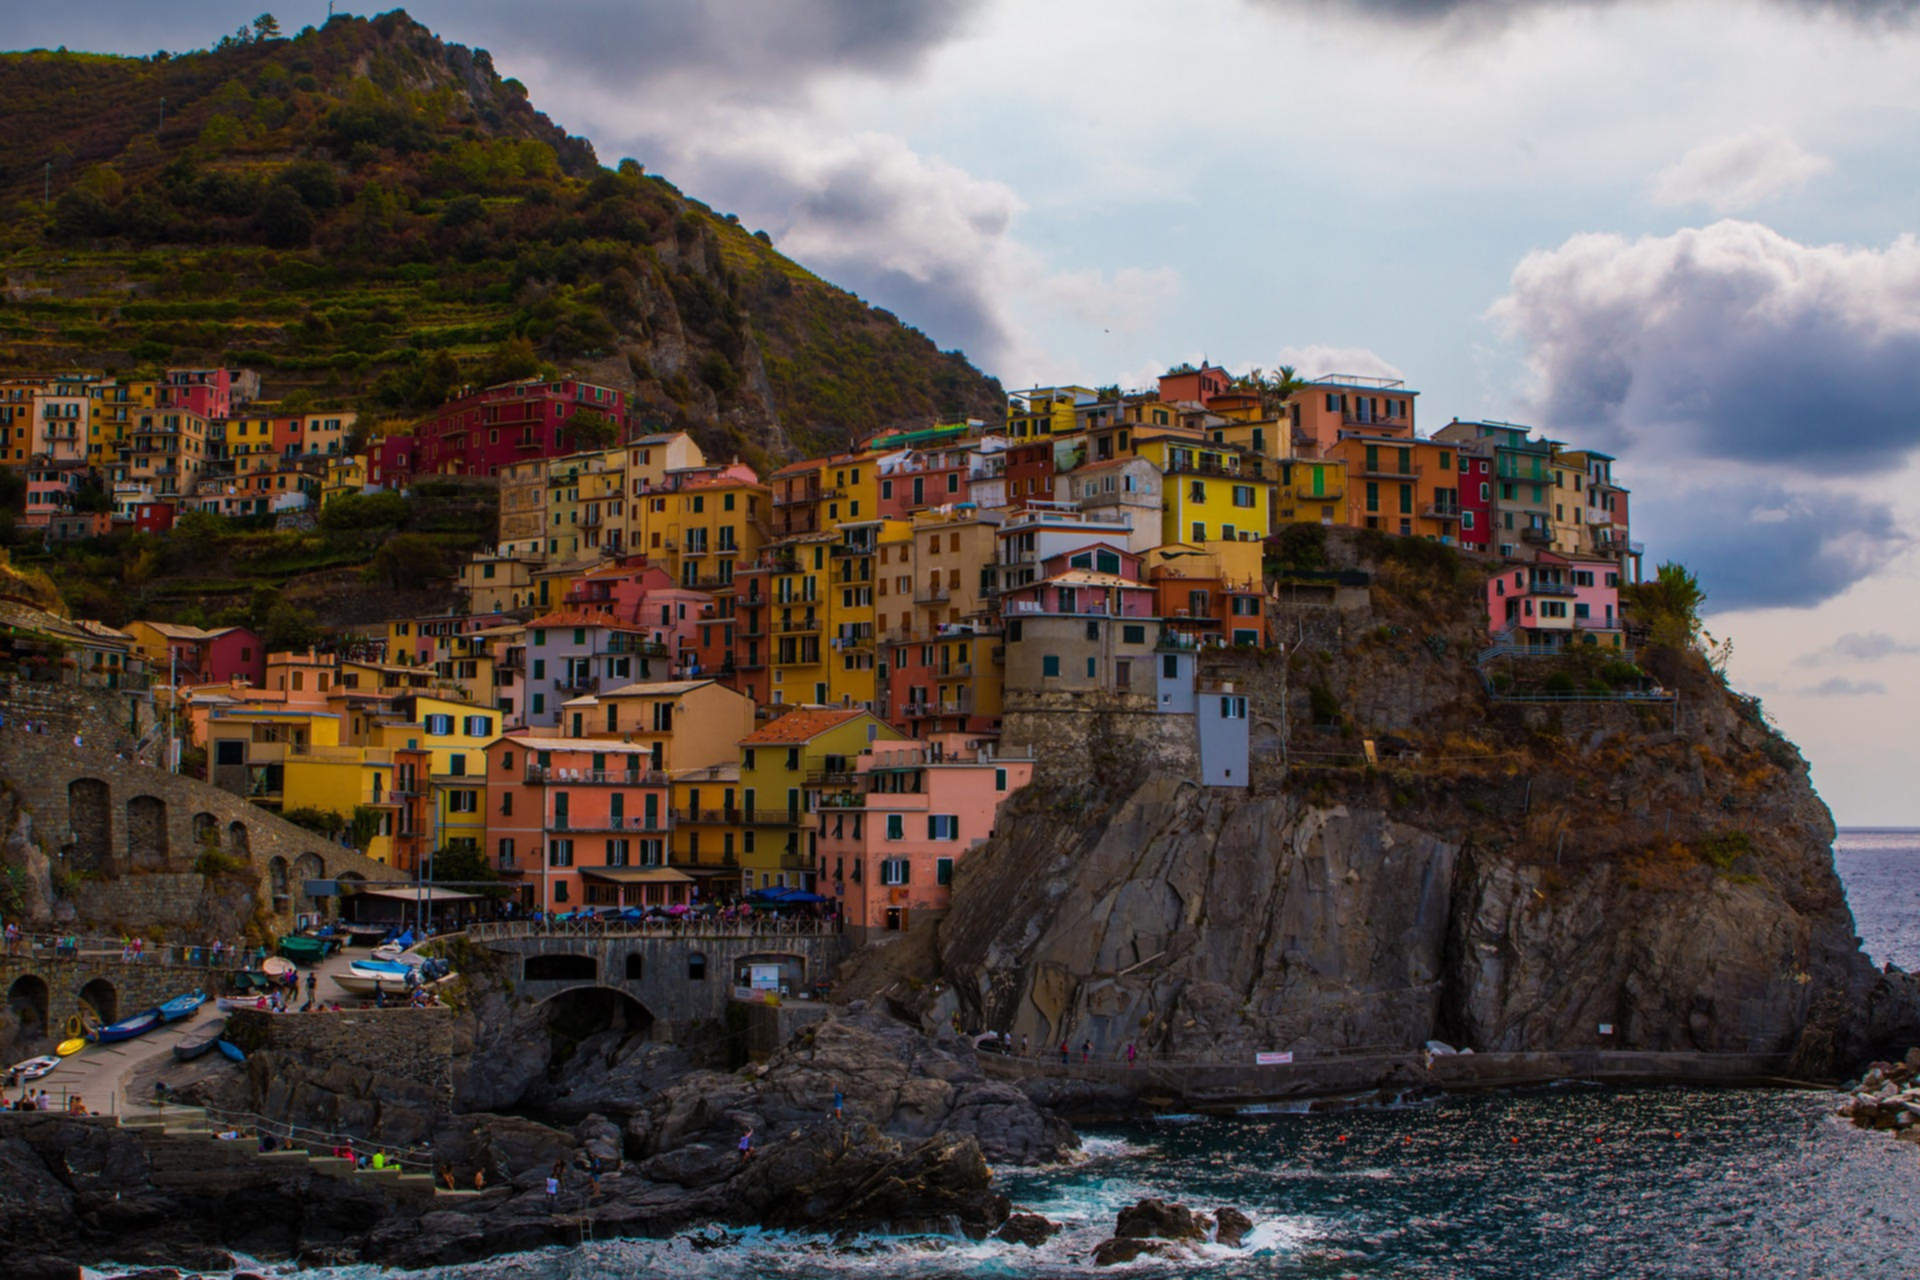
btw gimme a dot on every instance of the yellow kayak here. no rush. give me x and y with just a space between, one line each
67 1048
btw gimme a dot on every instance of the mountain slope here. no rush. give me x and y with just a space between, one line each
367 212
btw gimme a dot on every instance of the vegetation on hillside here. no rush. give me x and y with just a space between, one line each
368 214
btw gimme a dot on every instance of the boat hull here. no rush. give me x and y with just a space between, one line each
34 1068
231 1051
182 1007
67 1048
192 1049
130 1028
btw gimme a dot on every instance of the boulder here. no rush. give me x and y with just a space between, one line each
599 1137
1113 1253
1161 1219
1029 1229
1233 1226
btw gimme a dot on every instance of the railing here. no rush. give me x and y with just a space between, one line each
958 670
802 627
48 946
1441 511
1538 537
757 926
831 777
1390 473
629 644
726 817
315 1142
637 822
932 595
597 777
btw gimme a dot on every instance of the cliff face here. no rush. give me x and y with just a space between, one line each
1506 876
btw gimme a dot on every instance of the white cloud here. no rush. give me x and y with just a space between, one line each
1858 646
1732 174
1127 301
1316 360
1841 687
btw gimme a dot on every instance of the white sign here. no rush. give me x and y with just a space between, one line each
764 977
1606 1028
1273 1059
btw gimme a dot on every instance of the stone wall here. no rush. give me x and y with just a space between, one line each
112 989
412 1044
1076 738
764 1028
96 814
113 720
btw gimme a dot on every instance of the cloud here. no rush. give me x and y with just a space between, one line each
1729 341
1127 301
1731 174
1857 646
1758 544
1841 687
1317 360
1499 12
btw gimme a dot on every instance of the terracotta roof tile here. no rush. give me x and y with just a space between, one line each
803 725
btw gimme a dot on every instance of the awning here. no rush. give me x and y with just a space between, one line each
422 894
636 875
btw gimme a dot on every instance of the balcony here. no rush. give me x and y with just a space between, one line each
1537 537
708 817
932 595
613 822
1383 471
1550 587
1441 511
622 644
958 671
796 862
801 626
1334 494
1182 466
831 777
577 685
596 777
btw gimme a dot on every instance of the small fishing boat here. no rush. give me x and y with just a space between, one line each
33 1068
188 1050
127 1028
228 1004
182 1006
392 953
365 935
302 949
67 1048
397 968
231 1051
275 967
366 984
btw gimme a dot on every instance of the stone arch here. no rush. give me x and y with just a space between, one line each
636 967
308 866
90 820
206 831
580 1013
30 1000
564 967
239 840
147 832
277 884
101 996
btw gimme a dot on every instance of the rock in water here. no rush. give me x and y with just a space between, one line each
1233 1227
1029 1229
1162 1219
1113 1253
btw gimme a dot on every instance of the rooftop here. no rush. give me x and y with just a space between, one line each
802 725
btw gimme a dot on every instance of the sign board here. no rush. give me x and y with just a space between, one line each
763 977
1606 1028
320 888
1273 1059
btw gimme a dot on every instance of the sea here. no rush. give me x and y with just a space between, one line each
1573 1181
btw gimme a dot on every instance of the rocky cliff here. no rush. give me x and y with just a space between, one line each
1496 874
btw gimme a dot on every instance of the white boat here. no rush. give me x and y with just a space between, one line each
368 983
33 1068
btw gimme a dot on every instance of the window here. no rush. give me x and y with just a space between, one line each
617 852
943 871
1050 665
895 871
1243 495
1233 708
943 826
506 851
506 804
896 826
696 967
479 727
439 726
560 853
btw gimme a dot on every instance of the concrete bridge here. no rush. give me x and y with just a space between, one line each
678 976
97 814
47 990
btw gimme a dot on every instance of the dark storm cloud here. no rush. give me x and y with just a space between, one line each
1756 545
1726 342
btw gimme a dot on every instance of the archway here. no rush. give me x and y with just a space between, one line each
560 968
147 833
206 831
277 883
238 841
100 996
636 970
601 1014
90 820
29 999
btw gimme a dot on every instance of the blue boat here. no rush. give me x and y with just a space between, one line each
230 1050
394 968
127 1028
182 1006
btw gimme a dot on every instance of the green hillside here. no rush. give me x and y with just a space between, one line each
366 213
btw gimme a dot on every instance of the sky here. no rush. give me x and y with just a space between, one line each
1683 231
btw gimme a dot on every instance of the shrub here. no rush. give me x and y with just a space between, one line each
1326 707
213 861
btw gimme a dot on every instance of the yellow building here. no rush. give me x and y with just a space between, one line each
796 620
168 451
347 781
1271 438
454 736
344 475
523 509
850 489
708 824
1311 491
852 642
498 583
111 416
1211 493
783 766
250 747
1044 411
946 579
684 724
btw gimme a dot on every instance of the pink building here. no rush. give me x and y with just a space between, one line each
390 461
643 595
1095 579
1555 602
50 491
920 479
581 822
207 392
888 847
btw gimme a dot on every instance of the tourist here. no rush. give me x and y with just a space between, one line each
553 1186
746 1145
839 1105
479 1179
1086 1051
1132 1053
313 982
1065 1054
593 1177
44 1103
1023 1044
446 1176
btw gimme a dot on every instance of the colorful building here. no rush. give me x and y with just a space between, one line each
782 764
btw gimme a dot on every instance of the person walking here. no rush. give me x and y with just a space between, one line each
1132 1053
553 1187
1023 1044
1064 1054
313 984
839 1105
1086 1051
746 1146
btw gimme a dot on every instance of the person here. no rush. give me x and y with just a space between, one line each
446 1176
379 1159
553 1186
45 1103
746 1146
1064 1055
839 1105
313 984
1132 1053
77 742
479 1178
1086 1051
1023 1044
593 1177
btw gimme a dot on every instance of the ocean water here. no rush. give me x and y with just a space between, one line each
1572 1182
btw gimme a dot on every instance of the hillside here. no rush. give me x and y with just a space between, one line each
367 213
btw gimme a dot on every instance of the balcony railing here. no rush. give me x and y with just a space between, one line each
723 817
957 671
799 626
1441 511
597 777
636 644
932 595
831 777
1537 537
1383 471
629 822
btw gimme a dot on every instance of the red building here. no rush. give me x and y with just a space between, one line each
153 517
922 479
1194 386
207 392
482 433
1476 502
1030 473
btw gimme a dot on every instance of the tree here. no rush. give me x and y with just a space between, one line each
509 362
409 560
593 430
266 27
288 626
284 221
1668 605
